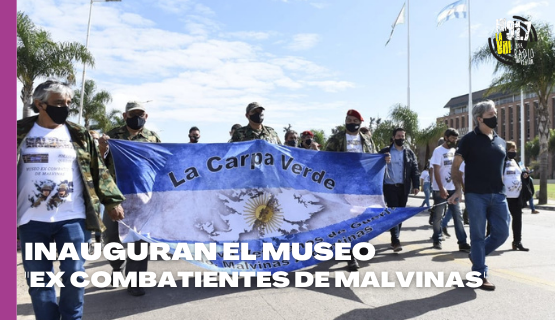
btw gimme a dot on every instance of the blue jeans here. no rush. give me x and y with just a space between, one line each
427 190
484 208
44 299
531 203
455 210
446 218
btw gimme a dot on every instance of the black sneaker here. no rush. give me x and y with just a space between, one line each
465 247
445 232
437 245
136 291
396 247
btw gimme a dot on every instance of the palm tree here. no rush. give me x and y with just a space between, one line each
402 116
108 121
538 77
382 134
94 103
39 56
428 135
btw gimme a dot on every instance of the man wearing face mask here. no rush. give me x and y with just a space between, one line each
484 154
443 187
401 177
350 140
135 117
307 141
73 184
291 138
255 130
194 135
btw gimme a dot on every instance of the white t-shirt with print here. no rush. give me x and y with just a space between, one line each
49 182
512 179
443 157
354 143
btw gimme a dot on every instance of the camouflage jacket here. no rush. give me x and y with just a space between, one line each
98 185
247 133
121 133
338 143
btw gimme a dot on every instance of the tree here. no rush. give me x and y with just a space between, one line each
538 77
94 103
382 134
428 135
338 128
319 136
39 56
289 126
403 117
108 121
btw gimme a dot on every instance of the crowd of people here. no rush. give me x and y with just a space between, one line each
76 165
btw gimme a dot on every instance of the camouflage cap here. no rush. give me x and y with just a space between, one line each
254 105
134 105
46 187
63 186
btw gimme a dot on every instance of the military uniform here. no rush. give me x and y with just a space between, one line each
338 143
112 231
98 184
121 133
247 133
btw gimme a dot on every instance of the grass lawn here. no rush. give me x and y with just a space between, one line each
550 189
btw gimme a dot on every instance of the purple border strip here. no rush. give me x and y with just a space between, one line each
8 294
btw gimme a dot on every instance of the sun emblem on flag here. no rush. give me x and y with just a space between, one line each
264 213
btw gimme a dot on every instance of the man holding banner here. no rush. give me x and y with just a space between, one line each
255 130
351 140
402 172
135 117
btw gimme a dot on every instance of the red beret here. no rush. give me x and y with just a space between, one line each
307 133
354 113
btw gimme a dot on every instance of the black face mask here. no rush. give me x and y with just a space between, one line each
511 154
135 123
290 143
194 139
257 117
308 142
491 122
451 144
352 127
399 142
57 114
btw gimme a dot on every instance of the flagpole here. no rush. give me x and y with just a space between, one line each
522 135
469 74
408 55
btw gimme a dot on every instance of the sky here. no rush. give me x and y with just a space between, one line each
306 61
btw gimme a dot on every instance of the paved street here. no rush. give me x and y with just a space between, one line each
525 286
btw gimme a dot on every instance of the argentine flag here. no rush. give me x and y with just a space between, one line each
454 10
250 192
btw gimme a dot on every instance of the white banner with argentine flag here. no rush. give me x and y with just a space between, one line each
252 192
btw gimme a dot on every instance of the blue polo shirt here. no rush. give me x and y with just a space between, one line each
485 160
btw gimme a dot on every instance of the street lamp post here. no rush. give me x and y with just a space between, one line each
84 66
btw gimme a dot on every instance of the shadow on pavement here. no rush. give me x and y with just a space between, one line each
409 309
115 303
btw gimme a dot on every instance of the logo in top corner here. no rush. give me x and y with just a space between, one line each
511 41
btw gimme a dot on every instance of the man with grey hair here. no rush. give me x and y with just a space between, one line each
135 117
484 154
58 163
